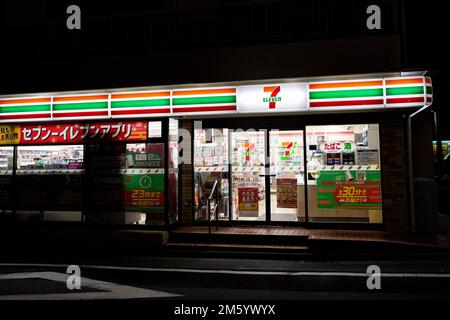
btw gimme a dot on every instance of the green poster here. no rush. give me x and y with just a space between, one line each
144 192
351 189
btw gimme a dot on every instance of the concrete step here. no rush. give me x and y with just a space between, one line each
237 238
236 247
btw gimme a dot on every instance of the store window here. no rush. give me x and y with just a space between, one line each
248 160
173 171
6 166
210 165
344 176
287 192
143 183
49 183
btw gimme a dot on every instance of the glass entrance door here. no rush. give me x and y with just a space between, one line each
287 188
248 160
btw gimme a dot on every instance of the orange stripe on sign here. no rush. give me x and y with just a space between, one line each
269 89
17 101
140 95
404 81
80 98
203 91
324 202
345 84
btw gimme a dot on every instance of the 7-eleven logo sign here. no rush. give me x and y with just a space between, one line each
273 98
249 147
289 150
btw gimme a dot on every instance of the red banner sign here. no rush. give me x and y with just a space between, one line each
355 193
79 132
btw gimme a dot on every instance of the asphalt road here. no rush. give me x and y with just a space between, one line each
222 279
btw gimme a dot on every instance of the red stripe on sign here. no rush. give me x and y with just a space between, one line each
146 111
428 80
25 116
405 100
205 109
345 103
80 114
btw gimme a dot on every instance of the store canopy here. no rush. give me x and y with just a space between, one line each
250 97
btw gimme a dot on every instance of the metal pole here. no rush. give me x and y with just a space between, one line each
216 211
208 204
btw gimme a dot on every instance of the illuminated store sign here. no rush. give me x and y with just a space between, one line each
320 96
74 132
272 98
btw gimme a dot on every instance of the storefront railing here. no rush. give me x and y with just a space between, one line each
212 196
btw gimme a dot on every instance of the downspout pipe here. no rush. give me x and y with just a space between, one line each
411 167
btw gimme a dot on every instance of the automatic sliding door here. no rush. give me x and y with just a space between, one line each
248 175
287 193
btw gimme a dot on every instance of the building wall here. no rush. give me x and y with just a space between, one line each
394 170
187 182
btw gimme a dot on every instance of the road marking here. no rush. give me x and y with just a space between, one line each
109 290
238 272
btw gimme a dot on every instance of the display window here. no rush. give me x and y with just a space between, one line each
344 173
272 181
211 164
6 171
49 182
248 160
287 194
47 158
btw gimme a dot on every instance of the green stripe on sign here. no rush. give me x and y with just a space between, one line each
403 91
80 106
346 94
204 100
429 90
140 103
34 108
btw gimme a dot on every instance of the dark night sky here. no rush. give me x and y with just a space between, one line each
426 28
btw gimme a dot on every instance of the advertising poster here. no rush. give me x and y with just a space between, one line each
350 189
9 134
144 192
146 156
287 193
248 199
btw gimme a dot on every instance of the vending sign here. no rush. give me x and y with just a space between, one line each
73 132
352 189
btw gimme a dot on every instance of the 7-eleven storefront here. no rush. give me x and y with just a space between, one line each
294 151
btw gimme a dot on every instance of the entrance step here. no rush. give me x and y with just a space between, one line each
236 247
262 239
